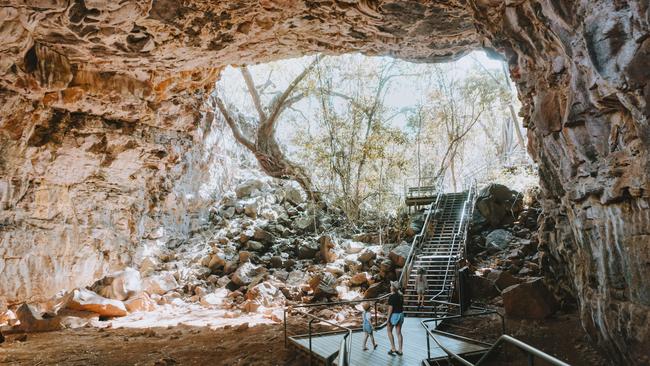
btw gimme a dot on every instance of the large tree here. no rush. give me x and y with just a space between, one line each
262 141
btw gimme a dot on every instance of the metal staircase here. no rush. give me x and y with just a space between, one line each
439 251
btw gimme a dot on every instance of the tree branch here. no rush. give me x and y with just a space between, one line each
250 85
279 103
233 125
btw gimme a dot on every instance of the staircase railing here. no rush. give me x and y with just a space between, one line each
417 240
458 239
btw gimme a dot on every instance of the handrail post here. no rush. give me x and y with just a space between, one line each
531 359
311 354
428 344
376 317
284 318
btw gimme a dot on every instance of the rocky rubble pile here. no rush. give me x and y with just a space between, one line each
508 262
264 247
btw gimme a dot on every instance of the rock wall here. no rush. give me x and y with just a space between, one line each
582 69
101 124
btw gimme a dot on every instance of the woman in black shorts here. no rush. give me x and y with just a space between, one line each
395 318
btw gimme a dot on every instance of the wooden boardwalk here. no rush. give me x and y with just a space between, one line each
415 346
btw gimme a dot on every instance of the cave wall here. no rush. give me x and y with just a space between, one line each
582 70
103 125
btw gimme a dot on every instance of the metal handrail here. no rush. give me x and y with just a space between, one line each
504 338
433 207
347 338
460 232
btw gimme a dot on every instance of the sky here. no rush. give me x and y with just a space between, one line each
402 92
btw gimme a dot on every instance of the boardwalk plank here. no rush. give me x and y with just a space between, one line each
415 346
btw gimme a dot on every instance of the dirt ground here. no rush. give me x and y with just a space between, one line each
561 336
179 345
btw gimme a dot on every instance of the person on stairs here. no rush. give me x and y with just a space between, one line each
367 327
395 318
420 287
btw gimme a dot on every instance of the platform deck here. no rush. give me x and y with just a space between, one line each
415 346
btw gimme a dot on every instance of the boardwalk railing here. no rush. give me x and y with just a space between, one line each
530 351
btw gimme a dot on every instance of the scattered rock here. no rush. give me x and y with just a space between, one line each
502 279
119 285
326 246
249 188
373 291
215 298
530 300
160 283
498 238
32 321
86 300
140 302
307 250
367 255
399 254
359 279
244 274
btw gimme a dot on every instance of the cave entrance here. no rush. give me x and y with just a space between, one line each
370 127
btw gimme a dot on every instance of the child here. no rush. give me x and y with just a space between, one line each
367 327
420 287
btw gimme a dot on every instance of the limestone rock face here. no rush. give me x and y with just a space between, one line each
104 127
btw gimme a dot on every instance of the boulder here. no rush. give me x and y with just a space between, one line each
249 188
326 245
251 209
32 321
266 294
529 300
254 246
335 269
399 254
367 255
119 285
304 223
323 284
499 205
148 266
276 261
502 279
262 235
353 247
215 298
498 238
244 256
86 300
481 288
297 278
359 279
244 275
160 283
292 195
140 302
307 250
373 291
